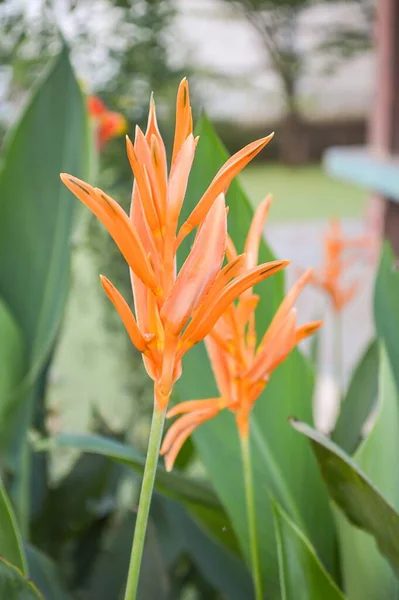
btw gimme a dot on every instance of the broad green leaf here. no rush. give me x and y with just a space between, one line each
359 401
196 496
386 302
368 507
10 538
36 218
376 456
282 463
12 365
43 573
302 576
222 570
14 586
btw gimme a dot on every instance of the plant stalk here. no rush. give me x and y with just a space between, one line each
147 486
251 516
338 349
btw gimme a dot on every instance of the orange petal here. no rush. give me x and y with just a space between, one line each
200 328
144 153
176 446
184 125
199 270
276 350
178 178
285 307
125 314
221 182
153 132
96 106
224 276
192 405
255 233
143 184
118 225
220 367
306 330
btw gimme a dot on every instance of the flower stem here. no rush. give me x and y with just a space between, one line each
338 358
154 442
250 501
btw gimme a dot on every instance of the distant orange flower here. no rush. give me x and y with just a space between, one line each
241 369
340 253
173 311
109 124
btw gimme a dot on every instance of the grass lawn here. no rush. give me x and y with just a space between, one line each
303 192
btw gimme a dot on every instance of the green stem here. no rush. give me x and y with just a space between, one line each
250 502
154 443
338 362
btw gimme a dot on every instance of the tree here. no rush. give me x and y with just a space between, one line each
276 23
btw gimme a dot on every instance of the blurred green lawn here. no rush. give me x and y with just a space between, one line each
303 192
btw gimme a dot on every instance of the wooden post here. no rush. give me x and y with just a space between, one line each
384 126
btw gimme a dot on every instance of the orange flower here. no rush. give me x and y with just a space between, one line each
109 124
241 369
173 311
340 253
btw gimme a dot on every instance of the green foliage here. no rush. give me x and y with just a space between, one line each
10 539
281 464
196 496
14 586
360 500
302 576
358 402
386 306
36 217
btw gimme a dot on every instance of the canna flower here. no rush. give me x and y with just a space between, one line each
241 367
109 124
340 253
173 311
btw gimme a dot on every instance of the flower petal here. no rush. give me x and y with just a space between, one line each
306 330
184 123
199 270
285 307
199 328
125 314
118 225
255 233
221 182
193 405
143 184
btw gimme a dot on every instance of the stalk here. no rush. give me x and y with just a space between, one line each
338 362
250 502
154 443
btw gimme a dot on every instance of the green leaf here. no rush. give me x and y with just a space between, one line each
359 401
43 573
363 504
376 456
386 301
196 496
222 570
302 576
36 218
281 462
12 365
10 538
14 586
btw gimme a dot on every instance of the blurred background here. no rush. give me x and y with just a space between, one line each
305 69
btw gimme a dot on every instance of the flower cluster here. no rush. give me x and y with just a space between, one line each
340 253
173 311
108 123
241 367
